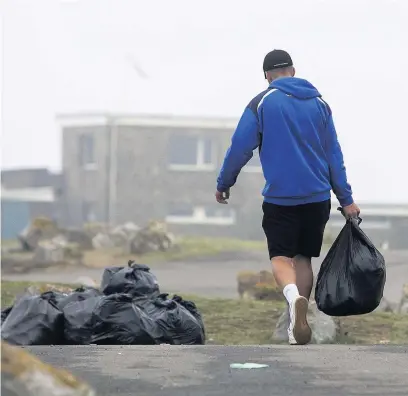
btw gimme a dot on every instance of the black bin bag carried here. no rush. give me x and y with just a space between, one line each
352 276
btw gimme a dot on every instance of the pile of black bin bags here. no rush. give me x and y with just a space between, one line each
127 310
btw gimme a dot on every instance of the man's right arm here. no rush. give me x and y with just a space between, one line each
338 176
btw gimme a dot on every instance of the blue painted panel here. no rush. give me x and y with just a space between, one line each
15 216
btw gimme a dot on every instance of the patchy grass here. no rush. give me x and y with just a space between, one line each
10 243
10 289
236 322
203 247
188 248
374 328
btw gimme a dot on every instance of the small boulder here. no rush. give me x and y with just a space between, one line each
48 252
324 328
22 374
386 306
403 304
102 241
258 286
404 309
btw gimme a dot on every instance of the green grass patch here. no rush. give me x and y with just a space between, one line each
10 289
236 322
193 247
187 249
10 243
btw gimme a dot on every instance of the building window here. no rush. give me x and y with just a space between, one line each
191 153
201 214
87 151
254 164
88 212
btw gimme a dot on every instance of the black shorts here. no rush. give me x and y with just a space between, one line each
293 230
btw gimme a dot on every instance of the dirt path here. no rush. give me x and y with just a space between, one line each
216 277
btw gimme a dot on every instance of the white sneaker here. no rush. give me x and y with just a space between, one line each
299 331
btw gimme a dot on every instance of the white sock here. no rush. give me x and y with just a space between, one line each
291 292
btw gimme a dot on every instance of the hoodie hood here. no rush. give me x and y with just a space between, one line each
297 87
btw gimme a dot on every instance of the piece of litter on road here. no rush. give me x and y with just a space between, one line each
247 365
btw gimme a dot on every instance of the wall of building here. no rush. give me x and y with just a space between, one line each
29 178
85 191
148 186
15 216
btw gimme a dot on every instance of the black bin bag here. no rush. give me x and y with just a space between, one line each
352 276
78 320
117 320
136 279
179 321
80 294
34 320
4 313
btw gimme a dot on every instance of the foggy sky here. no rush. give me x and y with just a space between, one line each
205 58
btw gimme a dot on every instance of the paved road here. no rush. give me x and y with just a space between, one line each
217 277
204 371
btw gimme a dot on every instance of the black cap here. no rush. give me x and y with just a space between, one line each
277 59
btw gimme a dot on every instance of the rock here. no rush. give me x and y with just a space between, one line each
403 304
123 234
79 237
102 241
48 252
60 240
386 306
246 282
94 228
38 229
259 286
324 328
153 237
29 238
267 292
404 309
22 374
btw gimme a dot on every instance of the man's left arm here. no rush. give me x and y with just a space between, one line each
245 140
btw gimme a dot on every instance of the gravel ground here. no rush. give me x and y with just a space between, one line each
316 370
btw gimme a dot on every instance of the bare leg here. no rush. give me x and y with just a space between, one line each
283 271
304 275
299 331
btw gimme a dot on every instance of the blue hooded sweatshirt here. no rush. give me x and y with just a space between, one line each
300 155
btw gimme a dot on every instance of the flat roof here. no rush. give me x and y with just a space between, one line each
102 119
35 194
377 209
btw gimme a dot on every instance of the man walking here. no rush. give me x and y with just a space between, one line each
302 161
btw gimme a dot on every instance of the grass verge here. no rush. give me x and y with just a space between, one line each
235 322
198 247
188 248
